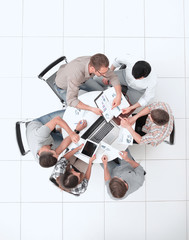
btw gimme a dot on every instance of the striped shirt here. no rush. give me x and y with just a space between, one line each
156 134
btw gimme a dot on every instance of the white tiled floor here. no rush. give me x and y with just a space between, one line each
33 34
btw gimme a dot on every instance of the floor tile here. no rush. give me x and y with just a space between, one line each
82 23
43 24
120 218
11 10
166 151
10 61
187 97
138 152
46 104
43 52
36 186
118 47
163 177
10 181
12 99
10 221
7 129
41 221
166 220
91 217
186 5
83 49
162 23
176 96
125 23
159 52
187 56
95 189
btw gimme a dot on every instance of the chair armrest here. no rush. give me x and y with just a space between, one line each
40 76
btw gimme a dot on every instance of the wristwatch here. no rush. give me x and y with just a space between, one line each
76 131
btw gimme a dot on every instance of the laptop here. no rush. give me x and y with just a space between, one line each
101 130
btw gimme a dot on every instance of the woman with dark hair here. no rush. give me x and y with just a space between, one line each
69 178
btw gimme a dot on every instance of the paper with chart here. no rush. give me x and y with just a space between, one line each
104 102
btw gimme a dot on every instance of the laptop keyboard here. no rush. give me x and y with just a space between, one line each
102 132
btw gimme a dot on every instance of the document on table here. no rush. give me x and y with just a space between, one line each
104 102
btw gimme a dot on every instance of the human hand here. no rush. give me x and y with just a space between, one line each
105 81
80 146
124 155
81 125
126 110
132 120
104 159
116 102
97 111
124 122
74 137
92 158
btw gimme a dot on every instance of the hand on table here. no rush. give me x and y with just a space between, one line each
97 111
132 120
104 159
125 123
74 137
92 158
81 125
126 110
124 155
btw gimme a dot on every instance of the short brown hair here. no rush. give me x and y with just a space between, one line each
46 159
99 60
117 187
160 116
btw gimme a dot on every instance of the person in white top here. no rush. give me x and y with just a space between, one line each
139 78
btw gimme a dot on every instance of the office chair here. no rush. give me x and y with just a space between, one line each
51 80
21 137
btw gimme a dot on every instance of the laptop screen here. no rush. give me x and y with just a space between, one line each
89 148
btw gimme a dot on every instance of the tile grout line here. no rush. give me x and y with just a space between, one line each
145 207
185 115
21 112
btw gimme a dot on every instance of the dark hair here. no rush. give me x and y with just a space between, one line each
46 159
99 60
117 187
160 117
69 180
141 69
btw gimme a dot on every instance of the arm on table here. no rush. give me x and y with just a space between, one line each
72 152
59 121
125 157
88 172
126 124
106 171
83 106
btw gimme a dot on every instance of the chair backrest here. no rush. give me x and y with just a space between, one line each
51 80
21 137
172 136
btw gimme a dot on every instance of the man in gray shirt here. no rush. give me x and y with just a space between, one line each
45 142
124 178
71 76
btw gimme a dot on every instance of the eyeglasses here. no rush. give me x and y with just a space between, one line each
102 74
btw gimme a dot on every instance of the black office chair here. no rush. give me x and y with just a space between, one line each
123 87
51 80
21 137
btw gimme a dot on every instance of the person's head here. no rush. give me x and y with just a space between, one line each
47 157
141 69
71 178
118 187
159 117
98 64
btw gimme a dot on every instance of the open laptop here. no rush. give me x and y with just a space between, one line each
101 130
